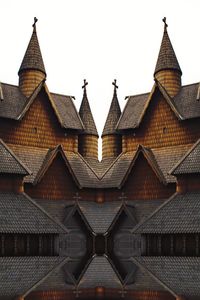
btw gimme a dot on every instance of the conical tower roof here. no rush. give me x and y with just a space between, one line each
167 59
33 58
113 114
86 114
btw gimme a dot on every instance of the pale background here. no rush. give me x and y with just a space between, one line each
99 40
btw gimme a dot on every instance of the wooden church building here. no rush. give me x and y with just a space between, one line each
72 226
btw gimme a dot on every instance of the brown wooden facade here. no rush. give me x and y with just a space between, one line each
143 183
160 127
38 128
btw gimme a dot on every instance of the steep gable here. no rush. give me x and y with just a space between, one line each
55 181
144 183
39 127
160 127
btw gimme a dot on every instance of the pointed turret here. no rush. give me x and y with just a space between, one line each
168 71
32 70
111 140
88 140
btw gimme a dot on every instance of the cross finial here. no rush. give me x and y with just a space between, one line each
35 21
77 197
115 84
123 198
165 22
85 84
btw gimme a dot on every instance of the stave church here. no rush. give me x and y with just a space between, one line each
72 226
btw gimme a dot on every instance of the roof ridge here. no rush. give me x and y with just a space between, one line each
184 157
45 212
85 161
28 172
46 276
153 213
143 266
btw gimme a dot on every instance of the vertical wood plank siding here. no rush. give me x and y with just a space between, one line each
143 183
161 128
38 128
56 184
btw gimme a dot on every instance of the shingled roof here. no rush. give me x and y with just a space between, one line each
10 163
190 162
100 273
180 275
20 214
179 214
185 105
19 274
86 115
113 115
167 59
33 57
15 105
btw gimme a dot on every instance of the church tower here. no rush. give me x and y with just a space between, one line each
88 140
32 70
168 72
111 140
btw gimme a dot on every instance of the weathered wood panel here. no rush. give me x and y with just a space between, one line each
88 145
143 183
188 183
38 128
161 128
11 183
29 80
111 146
170 80
57 183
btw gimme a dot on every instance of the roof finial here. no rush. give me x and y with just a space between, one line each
85 84
165 22
115 84
34 24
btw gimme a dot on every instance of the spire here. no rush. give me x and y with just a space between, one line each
167 59
86 114
168 72
32 70
111 141
33 58
113 114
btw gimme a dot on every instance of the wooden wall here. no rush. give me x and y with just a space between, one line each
111 145
91 294
57 183
160 128
88 145
143 183
38 128
188 183
11 183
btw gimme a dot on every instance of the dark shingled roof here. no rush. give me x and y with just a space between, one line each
33 56
19 274
167 58
100 216
134 109
86 116
100 167
20 214
185 105
100 273
167 157
37 158
179 214
32 157
15 105
190 162
181 275
113 116
10 163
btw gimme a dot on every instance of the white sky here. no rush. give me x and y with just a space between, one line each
99 40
